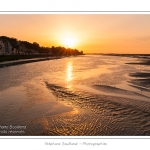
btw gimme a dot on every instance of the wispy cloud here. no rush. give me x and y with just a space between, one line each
143 38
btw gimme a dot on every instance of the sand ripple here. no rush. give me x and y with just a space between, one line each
97 115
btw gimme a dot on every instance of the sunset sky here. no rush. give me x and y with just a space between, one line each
92 33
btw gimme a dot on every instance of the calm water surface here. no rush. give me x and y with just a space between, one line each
86 95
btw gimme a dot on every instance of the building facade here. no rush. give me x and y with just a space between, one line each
5 47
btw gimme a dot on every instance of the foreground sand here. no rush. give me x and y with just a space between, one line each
111 99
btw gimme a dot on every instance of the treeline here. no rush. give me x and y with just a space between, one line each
40 49
55 50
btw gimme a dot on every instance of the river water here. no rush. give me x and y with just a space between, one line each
84 95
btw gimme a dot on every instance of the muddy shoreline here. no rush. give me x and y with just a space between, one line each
19 62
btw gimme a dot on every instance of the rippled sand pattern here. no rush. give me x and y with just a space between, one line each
98 115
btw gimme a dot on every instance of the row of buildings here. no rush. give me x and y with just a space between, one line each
8 48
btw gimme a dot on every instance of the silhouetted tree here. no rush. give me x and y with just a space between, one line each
35 46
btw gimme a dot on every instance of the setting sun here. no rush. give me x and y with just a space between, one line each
69 42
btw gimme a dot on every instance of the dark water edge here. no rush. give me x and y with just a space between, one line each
4 58
26 61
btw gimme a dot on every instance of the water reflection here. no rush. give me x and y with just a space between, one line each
69 75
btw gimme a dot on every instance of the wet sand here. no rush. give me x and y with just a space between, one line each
100 114
113 99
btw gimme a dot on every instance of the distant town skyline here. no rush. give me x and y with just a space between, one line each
92 33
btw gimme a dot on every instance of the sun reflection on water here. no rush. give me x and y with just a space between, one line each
69 75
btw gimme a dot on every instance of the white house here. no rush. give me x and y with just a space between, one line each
2 47
5 47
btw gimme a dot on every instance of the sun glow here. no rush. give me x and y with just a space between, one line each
69 42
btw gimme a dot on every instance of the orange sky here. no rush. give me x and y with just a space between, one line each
92 33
